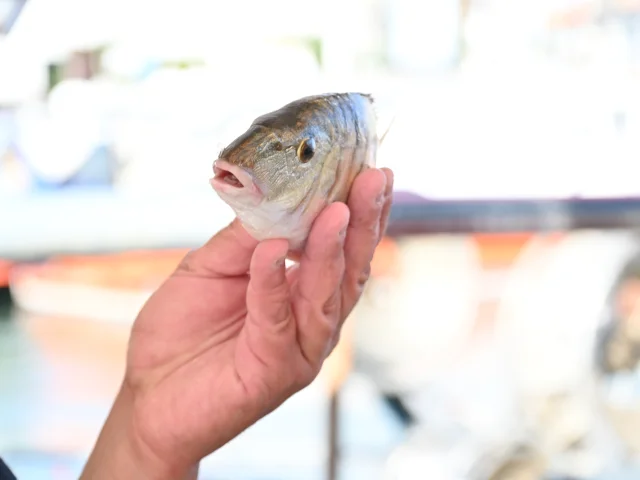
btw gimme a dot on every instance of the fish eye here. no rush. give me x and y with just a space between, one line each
306 150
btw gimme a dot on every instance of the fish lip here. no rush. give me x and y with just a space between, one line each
249 185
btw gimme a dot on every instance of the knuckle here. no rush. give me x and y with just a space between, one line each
364 276
369 223
331 306
358 281
188 263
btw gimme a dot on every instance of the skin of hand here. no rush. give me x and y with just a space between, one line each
232 334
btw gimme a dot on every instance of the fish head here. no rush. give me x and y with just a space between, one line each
272 168
286 167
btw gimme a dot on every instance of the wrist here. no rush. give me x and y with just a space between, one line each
119 453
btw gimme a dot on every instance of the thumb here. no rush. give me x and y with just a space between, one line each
228 253
269 327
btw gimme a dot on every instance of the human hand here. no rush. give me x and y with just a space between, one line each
231 335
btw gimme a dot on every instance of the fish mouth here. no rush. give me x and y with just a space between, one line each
231 179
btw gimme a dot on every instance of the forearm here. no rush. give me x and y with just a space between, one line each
119 454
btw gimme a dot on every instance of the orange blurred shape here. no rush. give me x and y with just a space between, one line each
146 269
500 250
134 270
5 267
575 16
385 259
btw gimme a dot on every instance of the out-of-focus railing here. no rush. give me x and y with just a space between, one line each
103 221
416 215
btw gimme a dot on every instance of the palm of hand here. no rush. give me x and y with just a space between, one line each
201 359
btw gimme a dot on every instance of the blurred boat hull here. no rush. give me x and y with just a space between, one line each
110 288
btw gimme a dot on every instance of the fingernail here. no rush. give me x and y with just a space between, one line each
279 262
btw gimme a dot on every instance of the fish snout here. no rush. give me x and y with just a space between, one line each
230 179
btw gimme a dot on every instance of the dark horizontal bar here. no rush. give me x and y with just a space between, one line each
87 221
415 215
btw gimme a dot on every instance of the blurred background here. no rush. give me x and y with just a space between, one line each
499 337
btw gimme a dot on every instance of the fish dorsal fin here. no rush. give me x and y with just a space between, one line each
384 133
384 119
